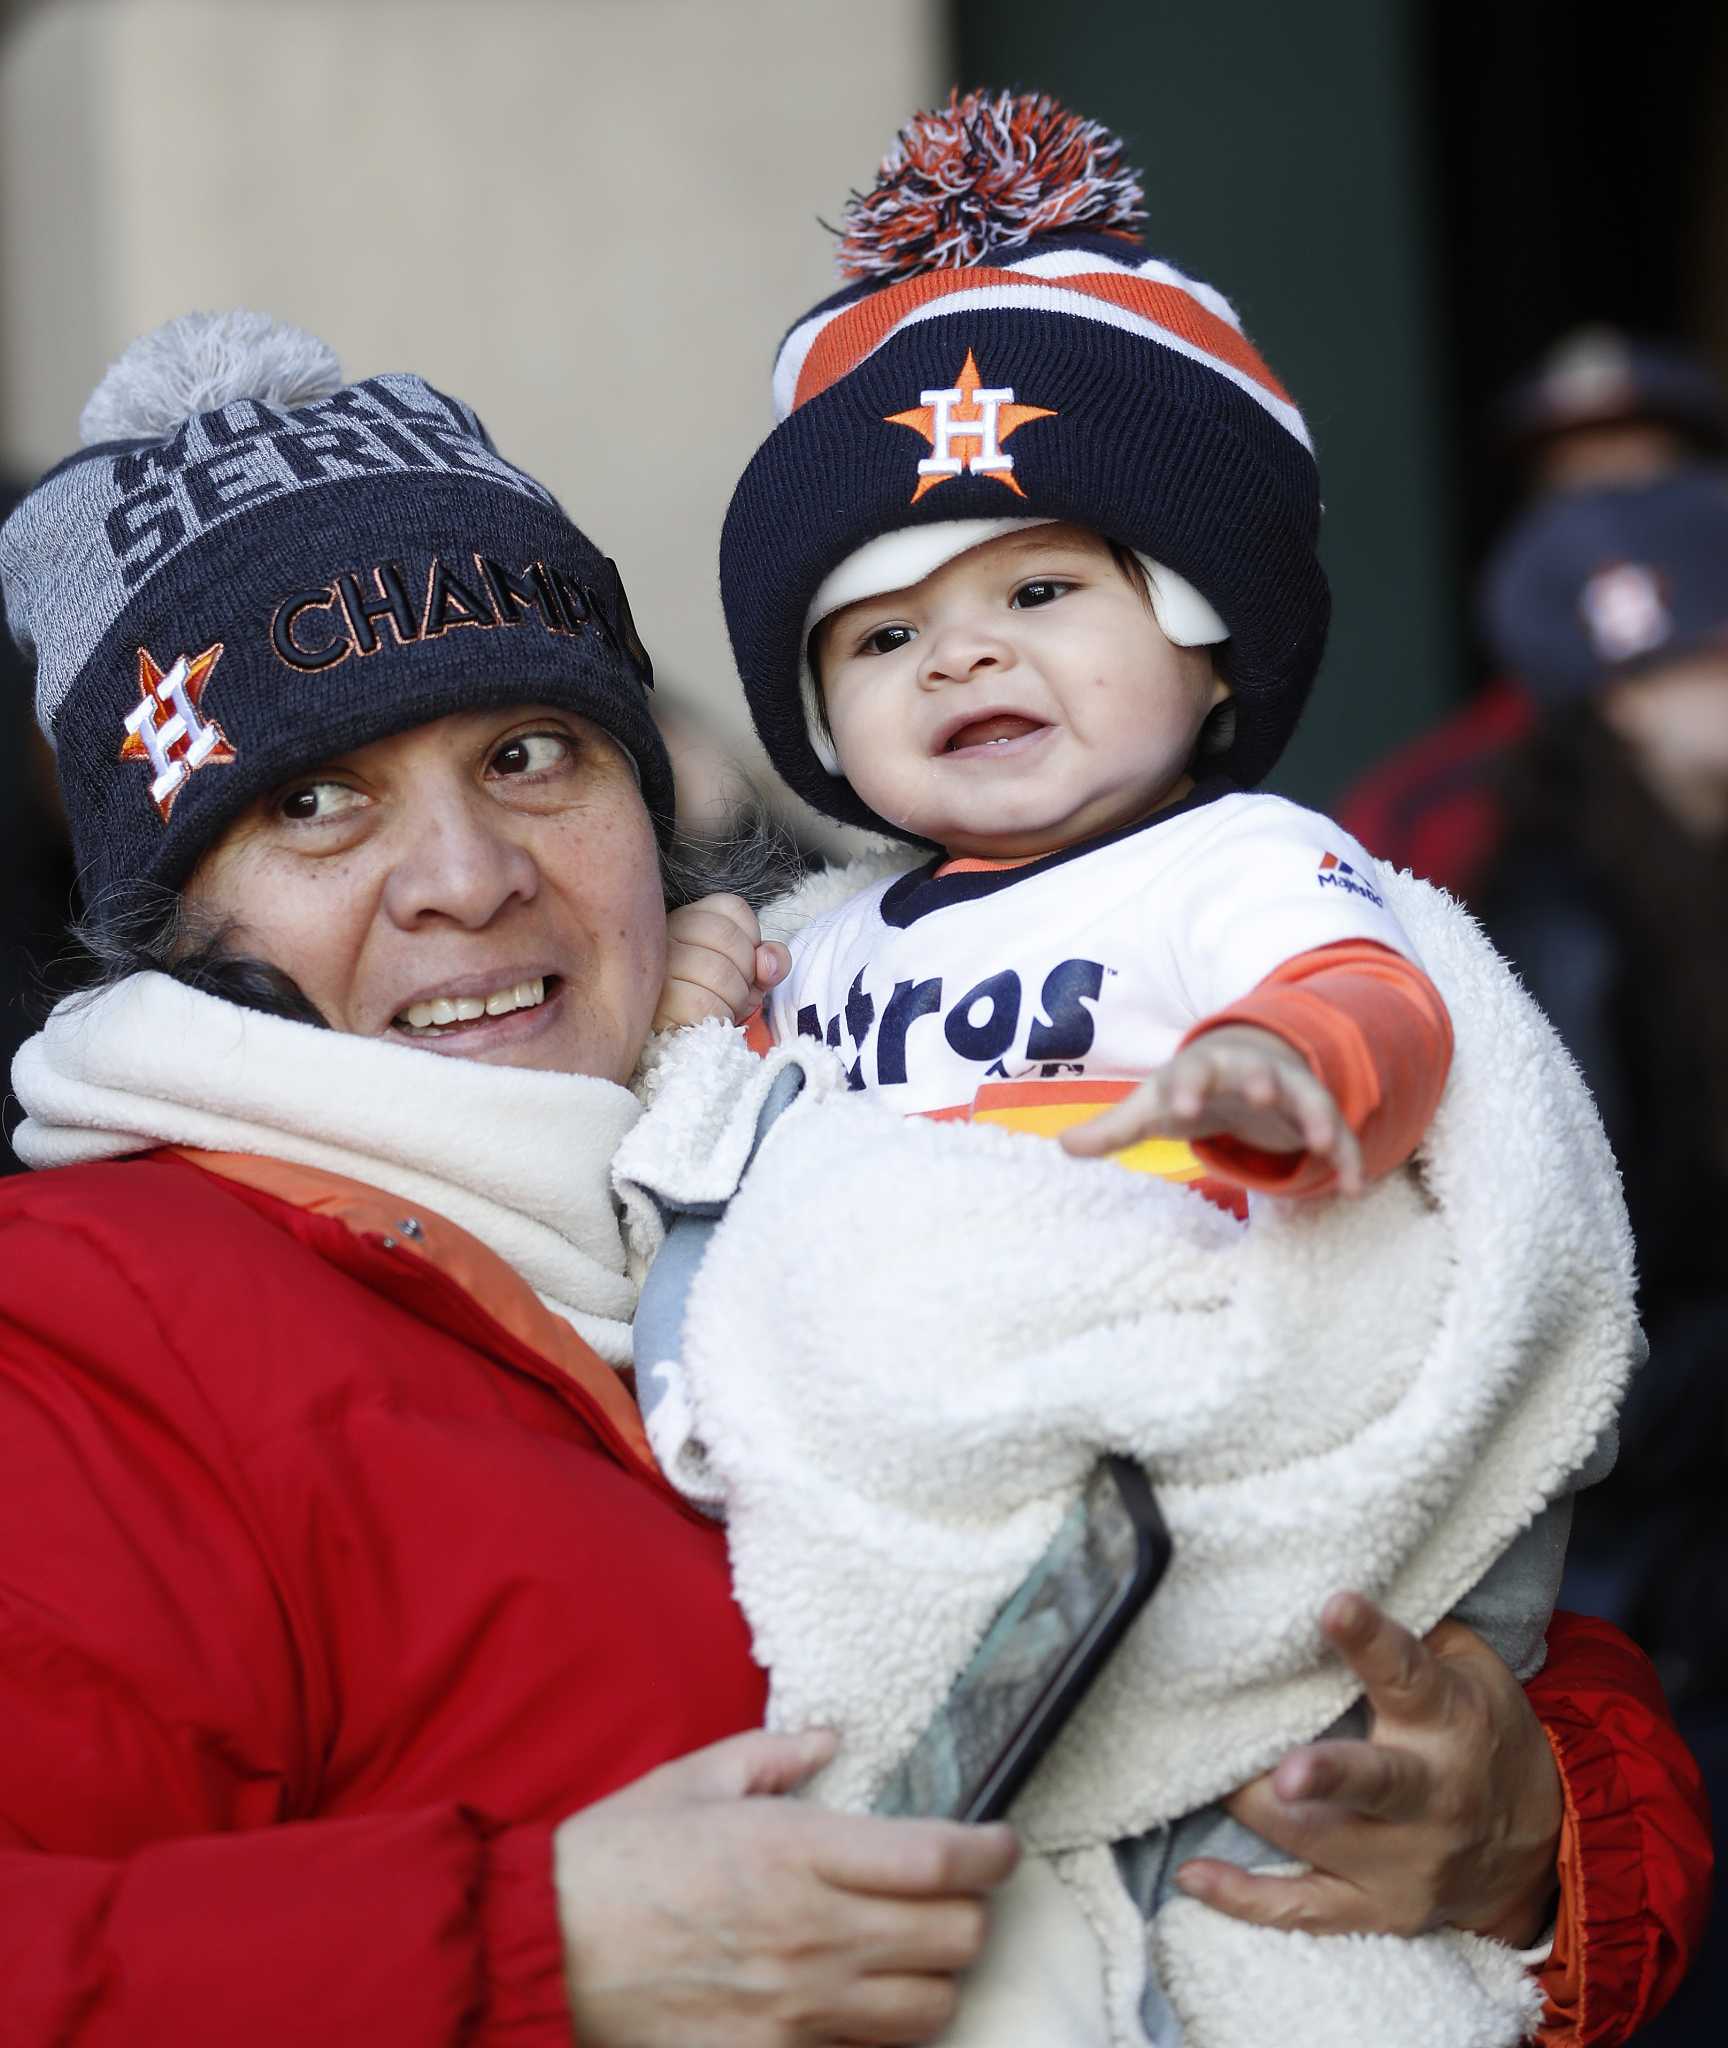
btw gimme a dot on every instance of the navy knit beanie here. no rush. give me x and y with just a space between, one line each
1007 346
252 567
1592 586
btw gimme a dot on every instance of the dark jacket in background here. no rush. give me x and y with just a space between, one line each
1616 922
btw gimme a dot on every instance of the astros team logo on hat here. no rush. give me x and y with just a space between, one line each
167 730
968 415
1626 611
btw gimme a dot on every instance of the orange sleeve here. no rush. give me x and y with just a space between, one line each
1374 1030
1562 1976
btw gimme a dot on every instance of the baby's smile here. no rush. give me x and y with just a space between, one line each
990 732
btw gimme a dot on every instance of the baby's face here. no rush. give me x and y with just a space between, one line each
1020 699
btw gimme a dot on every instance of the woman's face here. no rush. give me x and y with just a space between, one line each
485 885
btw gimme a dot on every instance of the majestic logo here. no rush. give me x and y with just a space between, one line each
168 730
1624 609
1339 874
969 417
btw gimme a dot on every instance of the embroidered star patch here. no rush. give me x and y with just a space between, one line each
974 417
166 729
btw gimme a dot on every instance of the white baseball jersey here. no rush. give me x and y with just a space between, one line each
1040 981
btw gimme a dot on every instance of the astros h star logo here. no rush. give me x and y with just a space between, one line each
166 728
966 413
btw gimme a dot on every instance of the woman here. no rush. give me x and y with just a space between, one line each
349 1630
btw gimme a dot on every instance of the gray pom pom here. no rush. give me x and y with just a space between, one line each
202 361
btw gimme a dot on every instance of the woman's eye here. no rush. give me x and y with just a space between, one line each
1041 590
532 753
886 639
316 803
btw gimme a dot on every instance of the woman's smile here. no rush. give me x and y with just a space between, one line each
480 1012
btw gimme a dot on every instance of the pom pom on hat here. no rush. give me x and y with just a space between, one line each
985 171
203 361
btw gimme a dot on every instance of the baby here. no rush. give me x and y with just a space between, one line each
1116 944
1025 578
1026 575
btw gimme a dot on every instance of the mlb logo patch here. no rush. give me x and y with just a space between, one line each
1334 873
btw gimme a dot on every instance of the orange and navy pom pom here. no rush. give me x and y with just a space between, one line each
986 171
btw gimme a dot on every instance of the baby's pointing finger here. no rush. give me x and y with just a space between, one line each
1124 1123
1194 1074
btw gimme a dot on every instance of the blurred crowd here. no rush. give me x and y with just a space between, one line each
1580 805
1578 802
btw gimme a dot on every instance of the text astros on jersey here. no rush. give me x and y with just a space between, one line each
1032 995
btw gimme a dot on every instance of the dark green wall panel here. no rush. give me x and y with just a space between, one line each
1283 163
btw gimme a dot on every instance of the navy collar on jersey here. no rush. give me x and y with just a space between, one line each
918 893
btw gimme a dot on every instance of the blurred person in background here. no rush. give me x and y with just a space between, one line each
1600 410
1605 408
1610 893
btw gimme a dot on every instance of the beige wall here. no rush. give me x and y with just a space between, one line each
591 218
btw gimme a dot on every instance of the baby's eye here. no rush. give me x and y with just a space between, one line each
886 640
1041 590
532 753
318 803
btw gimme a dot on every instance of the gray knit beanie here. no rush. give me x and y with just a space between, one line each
251 566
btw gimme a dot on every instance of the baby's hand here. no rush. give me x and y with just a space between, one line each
717 963
1237 1081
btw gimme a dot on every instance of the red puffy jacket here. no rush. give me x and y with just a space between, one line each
334 1571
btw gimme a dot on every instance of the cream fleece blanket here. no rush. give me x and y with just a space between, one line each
522 1159
908 1341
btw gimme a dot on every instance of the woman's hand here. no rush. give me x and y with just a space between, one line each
700 1913
1448 1814
1235 1081
717 963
